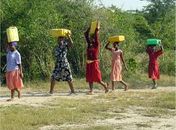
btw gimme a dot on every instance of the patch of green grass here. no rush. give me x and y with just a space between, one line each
165 100
145 99
155 104
157 112
31 118
138 80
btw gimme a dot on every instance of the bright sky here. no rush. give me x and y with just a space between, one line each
124 4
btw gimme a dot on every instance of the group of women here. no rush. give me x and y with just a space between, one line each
62 71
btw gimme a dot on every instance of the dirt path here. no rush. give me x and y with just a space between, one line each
38 98
131 119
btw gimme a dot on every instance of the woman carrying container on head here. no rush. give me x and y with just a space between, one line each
14 72
153 67
117 60
93 73
62 71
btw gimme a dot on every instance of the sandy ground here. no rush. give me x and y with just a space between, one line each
130 120
33 98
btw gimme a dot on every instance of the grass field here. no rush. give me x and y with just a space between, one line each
136 109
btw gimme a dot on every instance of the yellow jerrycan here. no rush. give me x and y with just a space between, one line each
94 26
118 38
12 34
60 32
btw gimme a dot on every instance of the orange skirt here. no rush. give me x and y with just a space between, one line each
14 80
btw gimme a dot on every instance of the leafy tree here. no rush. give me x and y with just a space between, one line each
157 9
35 18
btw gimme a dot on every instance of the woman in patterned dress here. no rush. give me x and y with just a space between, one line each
62 71
117 60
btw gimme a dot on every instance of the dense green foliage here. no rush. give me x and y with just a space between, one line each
34 19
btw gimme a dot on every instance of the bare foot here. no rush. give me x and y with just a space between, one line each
106 91
71 93
90 93
107 88
112 91
154 86
9 100
19 94
50 92
126 88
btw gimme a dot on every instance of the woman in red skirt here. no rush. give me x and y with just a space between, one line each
153 67
93 73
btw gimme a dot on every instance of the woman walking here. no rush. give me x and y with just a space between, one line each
62 71
93 73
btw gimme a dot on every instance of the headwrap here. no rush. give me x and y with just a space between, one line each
14 44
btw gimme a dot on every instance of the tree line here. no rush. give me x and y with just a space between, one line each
34 19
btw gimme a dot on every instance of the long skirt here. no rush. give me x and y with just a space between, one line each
93 73
153 71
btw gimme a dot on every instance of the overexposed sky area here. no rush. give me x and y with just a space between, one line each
124 4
